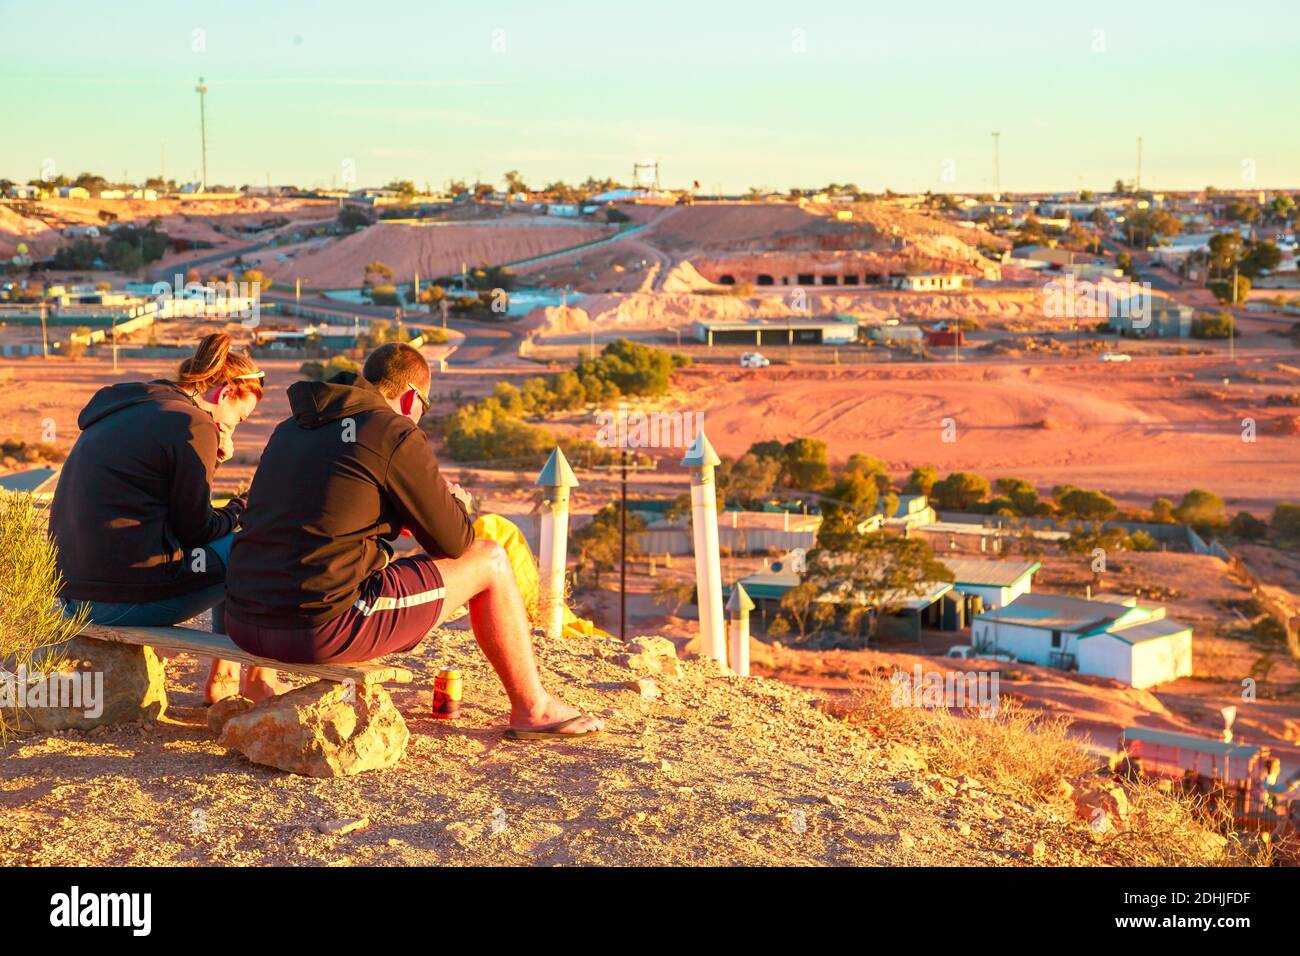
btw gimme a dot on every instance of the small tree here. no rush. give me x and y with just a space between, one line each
806 464
870 574
1223 289
671 594
376 268
801 605
1022 495
1285 521
597 543
960 490
1201 509
1218 326
1086 504
1162 511
921 480
257 278
749 479
1247 527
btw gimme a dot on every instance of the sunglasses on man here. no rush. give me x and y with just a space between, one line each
424 399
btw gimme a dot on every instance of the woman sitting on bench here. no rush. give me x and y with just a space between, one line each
139 543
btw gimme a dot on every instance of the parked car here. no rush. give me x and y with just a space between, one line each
754 360
967 653
1116 357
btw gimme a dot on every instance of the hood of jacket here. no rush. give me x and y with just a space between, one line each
318 403
113 398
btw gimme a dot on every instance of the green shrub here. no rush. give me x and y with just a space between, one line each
481 431
1085 504
1201 509
1286 521
1247 527
1212 326
30 617
959 491
1141 541
385 295
321 372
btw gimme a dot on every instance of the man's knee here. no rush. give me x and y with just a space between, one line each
492 561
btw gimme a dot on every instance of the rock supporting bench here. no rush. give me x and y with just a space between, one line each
343 724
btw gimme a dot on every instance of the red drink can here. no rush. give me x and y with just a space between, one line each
447 689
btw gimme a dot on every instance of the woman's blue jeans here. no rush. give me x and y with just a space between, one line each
172 610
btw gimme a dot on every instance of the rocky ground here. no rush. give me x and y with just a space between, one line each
697 766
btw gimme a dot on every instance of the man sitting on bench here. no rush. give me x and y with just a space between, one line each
312 578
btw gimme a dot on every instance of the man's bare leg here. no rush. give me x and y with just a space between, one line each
483 579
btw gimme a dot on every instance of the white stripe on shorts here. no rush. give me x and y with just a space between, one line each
386 603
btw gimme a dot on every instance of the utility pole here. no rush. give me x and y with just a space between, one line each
622 550
202 90
1137 185
624 466
1232 319
997 172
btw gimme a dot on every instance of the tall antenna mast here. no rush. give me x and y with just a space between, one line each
1137 186
202 90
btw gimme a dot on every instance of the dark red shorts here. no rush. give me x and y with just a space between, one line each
396 608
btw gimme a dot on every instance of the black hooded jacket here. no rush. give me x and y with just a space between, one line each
134 498
343 475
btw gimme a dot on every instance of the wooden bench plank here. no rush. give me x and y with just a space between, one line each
205 644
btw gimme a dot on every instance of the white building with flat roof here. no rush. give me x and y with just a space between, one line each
1106 636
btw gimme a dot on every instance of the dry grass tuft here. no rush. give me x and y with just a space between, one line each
1026 755
1017 752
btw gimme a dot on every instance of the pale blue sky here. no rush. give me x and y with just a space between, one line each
730 93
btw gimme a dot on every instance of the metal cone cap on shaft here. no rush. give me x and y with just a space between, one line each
556 473
740 601
701 453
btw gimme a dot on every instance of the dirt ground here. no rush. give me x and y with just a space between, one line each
431 249
1153 427
718 770
189 219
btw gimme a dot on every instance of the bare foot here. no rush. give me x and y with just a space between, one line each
553 711
223 681
260 683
